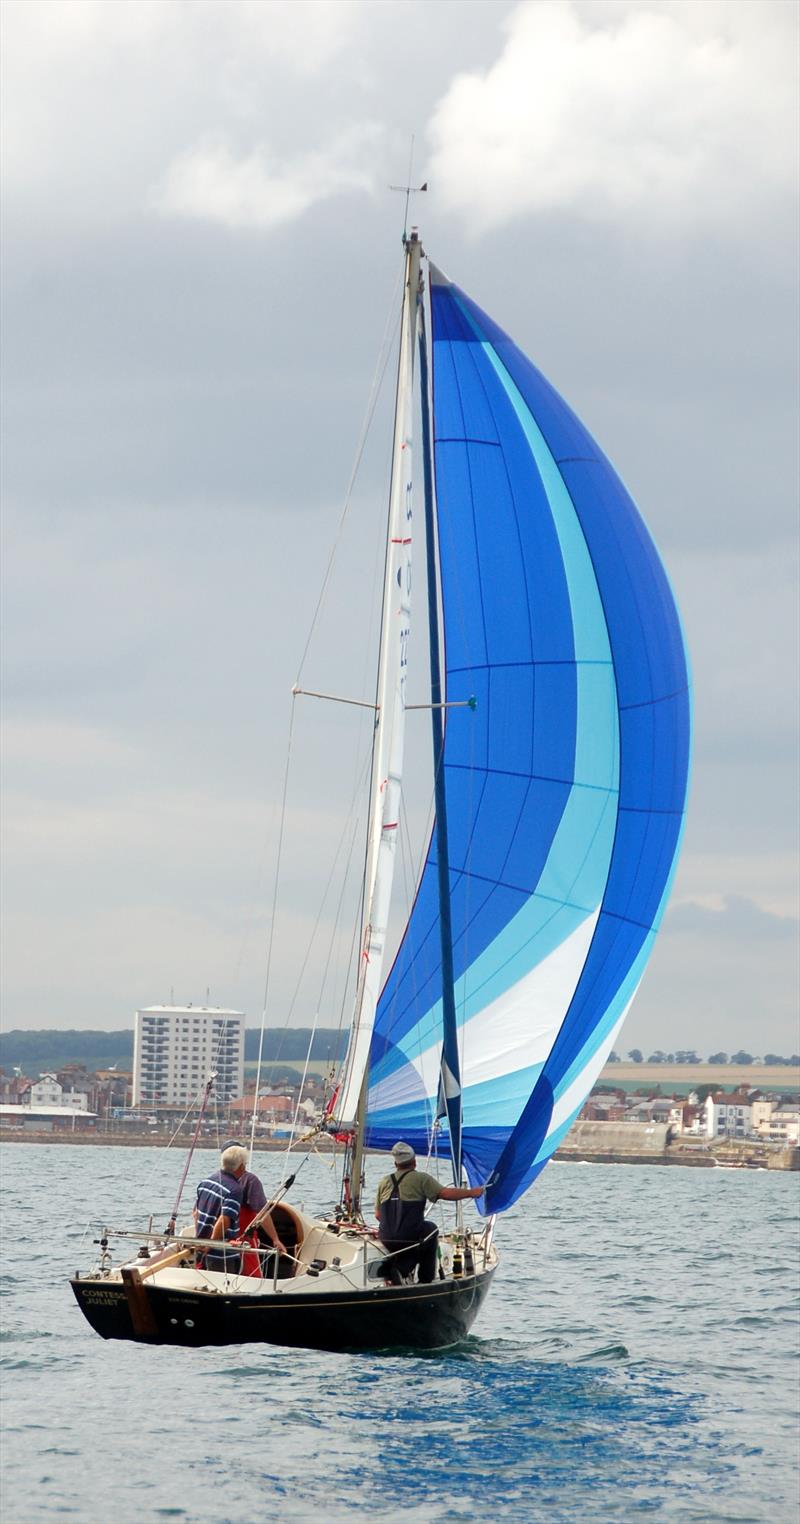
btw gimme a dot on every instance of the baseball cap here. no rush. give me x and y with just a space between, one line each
402 1152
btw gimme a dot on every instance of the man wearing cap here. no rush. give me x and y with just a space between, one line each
400 1210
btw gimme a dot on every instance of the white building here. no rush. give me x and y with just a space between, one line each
762 1111
48 1092
177 1047
729 1116
782 1125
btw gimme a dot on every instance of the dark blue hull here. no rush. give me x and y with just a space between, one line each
410 1317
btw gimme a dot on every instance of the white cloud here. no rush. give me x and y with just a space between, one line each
98 97
258 190
602 110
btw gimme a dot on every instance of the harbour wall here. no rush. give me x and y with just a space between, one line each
653 1143
613 1142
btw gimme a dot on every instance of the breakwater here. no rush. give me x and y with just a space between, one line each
654 1143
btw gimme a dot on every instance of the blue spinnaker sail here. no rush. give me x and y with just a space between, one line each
566 785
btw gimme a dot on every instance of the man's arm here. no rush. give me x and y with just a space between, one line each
455 1193
221 1226
265 1221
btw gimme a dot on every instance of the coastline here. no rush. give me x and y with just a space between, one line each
654 1149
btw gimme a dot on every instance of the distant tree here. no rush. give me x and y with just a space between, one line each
703 1091
283 1044
635 1055
279 1074
795 1060
658 1057
613 1057
774 1059
718 1058
686 1056
741 1057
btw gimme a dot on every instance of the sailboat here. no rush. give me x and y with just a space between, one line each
560 722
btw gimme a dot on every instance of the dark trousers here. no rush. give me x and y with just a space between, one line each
227 1260
419 1255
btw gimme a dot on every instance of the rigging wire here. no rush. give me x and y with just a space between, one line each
350 816
271 938
192 1146
300 1092
377 382
384 352
369 861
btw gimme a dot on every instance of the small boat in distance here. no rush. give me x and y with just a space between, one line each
560 720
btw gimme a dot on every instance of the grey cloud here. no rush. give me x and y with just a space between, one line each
738 918
181 408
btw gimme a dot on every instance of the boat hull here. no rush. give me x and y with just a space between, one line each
389 1317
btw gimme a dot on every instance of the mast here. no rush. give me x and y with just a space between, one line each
387 754
449 1103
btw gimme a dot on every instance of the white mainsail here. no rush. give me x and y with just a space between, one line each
390 709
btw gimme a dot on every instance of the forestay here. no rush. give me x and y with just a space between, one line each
565 788
387 760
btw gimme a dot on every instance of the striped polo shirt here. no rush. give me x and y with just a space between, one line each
220 1194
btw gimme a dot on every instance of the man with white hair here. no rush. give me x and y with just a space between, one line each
216 1210
253 1204
400 1210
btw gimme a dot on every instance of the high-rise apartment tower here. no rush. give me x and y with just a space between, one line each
176 1047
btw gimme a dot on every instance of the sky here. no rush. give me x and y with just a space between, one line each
200 267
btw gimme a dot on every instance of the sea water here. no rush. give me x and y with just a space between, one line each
636 1357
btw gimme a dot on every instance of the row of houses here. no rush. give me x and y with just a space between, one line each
738 1114
72 1087
75 1097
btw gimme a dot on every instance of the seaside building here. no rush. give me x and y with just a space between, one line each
782 1125
729 1116
176 1047
48 1091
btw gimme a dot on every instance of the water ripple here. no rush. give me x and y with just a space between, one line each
621 1369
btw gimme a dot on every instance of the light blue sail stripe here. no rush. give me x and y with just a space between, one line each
490 1102
590 632
508 1091
600 1033
614 1011
627 988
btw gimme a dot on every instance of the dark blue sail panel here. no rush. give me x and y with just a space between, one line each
566 786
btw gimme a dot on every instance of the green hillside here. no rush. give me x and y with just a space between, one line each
51 1048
